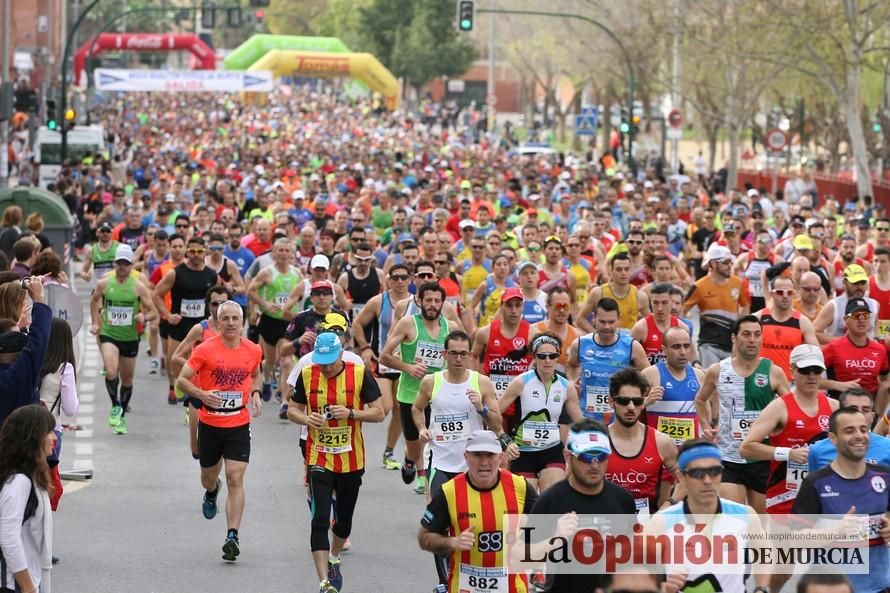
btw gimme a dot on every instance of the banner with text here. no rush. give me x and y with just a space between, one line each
183 81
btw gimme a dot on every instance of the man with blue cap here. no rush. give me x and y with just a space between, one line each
333 398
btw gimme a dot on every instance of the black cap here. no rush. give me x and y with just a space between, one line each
863 223
797 219
856 304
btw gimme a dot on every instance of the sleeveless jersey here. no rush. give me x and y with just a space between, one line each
640 277
223 270
741 401
546 283
752 279
535 310
655 338
491 301
190 292
540 408
639 474
598 364
424 348
452 420
675 414
800 430
361 290
883 299
471 277
452 289
628 307
152 262
119 310
338 446
581 272
483 569
278 289
779 338
207 331
506 358
103 259
384 324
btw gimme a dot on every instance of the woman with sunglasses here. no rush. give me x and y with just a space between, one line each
546 403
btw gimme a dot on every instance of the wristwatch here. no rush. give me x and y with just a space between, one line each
256 392
352 417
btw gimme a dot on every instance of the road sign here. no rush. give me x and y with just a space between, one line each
675 118
776 139
674 134
491 99
585 123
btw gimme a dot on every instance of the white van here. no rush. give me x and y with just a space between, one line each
82 141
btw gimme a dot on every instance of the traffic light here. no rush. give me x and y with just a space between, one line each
876 124
624 127
26 101
52 121
70 117
260 15
636 124
466 15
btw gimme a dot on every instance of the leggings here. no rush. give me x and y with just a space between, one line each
323 484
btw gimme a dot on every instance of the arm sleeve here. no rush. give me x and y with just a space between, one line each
436 517
13 499
299 394
370 389
70 401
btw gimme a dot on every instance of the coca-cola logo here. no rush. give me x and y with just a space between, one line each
153 42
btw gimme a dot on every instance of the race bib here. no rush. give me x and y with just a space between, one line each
794 474
476 579
120 315
740 422
191 308
598 400
679 429
883 327
357 308
500 383
333 440
450 428
232 401
642 505
430 354
540 435
102 269
281 299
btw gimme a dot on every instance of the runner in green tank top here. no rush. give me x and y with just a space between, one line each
117 306
100 260
420 339
758 388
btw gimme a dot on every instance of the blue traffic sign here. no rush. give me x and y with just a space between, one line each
585 124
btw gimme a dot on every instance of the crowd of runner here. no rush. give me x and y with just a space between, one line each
544 334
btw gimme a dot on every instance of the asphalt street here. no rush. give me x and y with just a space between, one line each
137 526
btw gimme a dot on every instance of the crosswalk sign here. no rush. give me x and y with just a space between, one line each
585 123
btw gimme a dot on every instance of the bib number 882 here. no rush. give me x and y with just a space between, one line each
483 583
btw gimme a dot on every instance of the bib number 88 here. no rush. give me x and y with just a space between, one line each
483 583
490 541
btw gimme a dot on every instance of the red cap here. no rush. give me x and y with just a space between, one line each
531 212
321 284
511 293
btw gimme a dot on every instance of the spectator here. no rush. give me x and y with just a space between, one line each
25 252
49 264
36 225
824 583
26 533
10 229
14 304
58 390
21 355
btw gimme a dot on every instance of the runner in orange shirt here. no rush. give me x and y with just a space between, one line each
224 373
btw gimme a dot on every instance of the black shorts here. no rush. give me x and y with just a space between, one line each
163 329
271 329
180 331
223 443
128 349
192 401
438 478
752 476
409 430
530 463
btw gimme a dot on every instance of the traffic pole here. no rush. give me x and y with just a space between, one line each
4 125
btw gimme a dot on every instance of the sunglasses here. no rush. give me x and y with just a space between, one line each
425 275
591 457
216 303
560 306
634 242
477 246
546 355
699 473
399 278
103 231
217 248
196 251
182 226
623 401
810 371
784 292
859 315
443 262
494 242
337 331
458 354
882 229
321 293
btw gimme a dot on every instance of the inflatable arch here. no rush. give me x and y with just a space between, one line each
247 54
360 66
204 55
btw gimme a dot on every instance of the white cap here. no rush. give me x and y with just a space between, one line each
466 223
565 175
753 193
170 198
259 170
715 252
628 188
654 199
319 261
534 197
406 191
314 177
807 355
298 194
124 252
619 176
648 184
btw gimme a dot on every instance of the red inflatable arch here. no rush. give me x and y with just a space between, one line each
202 52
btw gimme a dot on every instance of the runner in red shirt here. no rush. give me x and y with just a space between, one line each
855 360
879 290
650 329
788 426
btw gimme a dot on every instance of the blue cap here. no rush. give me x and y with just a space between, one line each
327 348
406 237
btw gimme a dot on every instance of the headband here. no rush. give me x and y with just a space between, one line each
543 339
698 452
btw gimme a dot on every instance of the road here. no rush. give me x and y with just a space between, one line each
137 527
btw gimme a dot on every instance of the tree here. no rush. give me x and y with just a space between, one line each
295 17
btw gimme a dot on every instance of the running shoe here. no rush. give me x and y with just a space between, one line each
335 577
266 393
230 549
408 471
420 485
171 397
282 412
121 426
114 417
440 588
208 507
390 462
326 587
154 366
